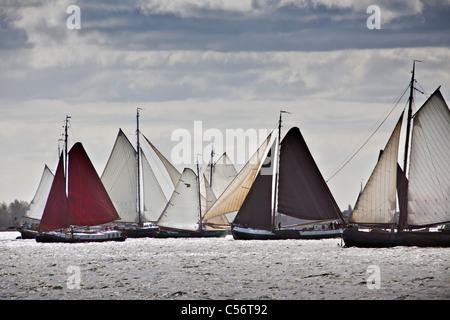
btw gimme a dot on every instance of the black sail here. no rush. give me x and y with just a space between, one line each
302 191
255 211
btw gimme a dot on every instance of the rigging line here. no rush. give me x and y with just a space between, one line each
368 139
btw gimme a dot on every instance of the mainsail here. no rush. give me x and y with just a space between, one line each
37 205
89 203
183 209
429 170
377 202
154 198
302 191
119 178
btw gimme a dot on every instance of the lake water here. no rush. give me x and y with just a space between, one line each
219 269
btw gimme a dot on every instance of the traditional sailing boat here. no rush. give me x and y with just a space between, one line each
122 180
29 228
87 202
423 196
298 191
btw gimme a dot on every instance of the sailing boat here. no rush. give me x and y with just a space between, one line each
29 228
298 191
122 180
423 196
87 203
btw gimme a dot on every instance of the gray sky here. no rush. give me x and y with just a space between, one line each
230 63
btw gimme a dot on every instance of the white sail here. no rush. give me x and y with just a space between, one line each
207 195
154 198
171 170
223 172
183 209
119 179
377 202
429 169
234 195
37 205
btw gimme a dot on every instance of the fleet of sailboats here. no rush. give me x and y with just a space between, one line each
278 194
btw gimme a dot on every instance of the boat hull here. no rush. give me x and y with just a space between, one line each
150 232
384 239
240 233
179 233
49 237
27 233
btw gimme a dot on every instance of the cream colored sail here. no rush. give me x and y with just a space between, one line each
119 179
232 198
183 209
377 202
154 198
429 169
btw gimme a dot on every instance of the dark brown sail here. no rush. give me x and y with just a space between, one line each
255 212
302 191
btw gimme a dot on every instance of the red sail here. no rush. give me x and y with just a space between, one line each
89 203
56 212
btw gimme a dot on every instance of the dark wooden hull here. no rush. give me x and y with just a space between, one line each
143 232
384 239
28 234
283 234
45 237
178 233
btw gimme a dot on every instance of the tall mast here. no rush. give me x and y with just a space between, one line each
277 166
65 144
138 167
199 198
409 116
66 125
211 166
403 217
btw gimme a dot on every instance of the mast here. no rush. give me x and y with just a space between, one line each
403 215
65 164
277 163
138 168
409 116
199 199
211 166
65 144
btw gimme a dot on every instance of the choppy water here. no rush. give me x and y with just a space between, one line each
219 269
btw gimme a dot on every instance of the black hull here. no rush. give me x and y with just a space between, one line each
53 238
385 239
178 233
28 234
142 233
283 234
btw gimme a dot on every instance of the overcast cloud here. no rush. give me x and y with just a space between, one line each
229 63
